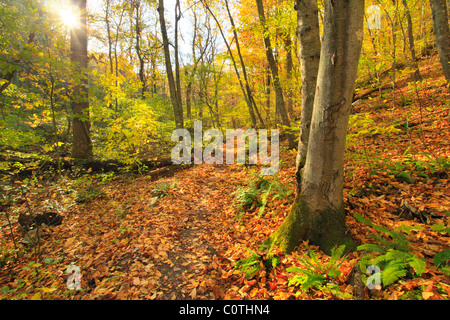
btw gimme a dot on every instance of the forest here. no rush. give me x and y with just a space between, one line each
224 150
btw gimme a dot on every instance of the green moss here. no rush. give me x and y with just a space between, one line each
325 229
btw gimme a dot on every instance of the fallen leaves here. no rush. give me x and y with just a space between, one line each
130 244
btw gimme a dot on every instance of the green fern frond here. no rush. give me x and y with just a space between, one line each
393 272
371 248
441 258
445 270
312 280
380 260
398 255
418 265
336 254
307 279
250 265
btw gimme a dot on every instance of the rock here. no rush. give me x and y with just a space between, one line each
49 218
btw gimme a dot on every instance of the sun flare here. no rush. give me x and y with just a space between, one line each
69 17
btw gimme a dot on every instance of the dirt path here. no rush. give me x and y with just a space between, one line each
193 274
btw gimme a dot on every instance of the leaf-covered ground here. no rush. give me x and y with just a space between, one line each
181 237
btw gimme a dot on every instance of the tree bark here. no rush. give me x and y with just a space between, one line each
82 144
177 107
279 99
116 58
137 25
442 34
412 47
268 98
244 70
289 67
177 57
309 56
318 212
108 35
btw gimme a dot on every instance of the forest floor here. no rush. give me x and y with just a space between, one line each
182 237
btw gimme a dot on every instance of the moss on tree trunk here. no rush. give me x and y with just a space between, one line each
324 228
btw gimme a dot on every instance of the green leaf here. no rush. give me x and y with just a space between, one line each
398 255
441 257
371 247
418 265
438 227
364 220
392 273
48 260
295 269
36 296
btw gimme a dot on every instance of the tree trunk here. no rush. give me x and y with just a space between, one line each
412 47
248 101
268 98
177 108
116 59
442 34
10 74
108 35
279 99
137 26
318 212
82 144
289 67
188 95
309 56
244 70
177 57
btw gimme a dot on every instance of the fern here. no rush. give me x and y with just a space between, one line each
393 272
372 248
257 193
316 273
163 188
400 242
255 262
441 257
306 279
441 260
394 264
250 265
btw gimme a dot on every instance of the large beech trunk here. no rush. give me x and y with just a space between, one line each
318 212
309 55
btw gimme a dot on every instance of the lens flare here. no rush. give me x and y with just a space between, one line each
69 17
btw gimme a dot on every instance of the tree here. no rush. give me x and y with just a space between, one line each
309 55
175 95
318 212
279 99
82 144
138 32
244 69
289 67
177 56
442 34
412 48
245 93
